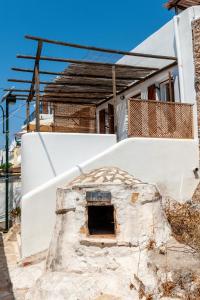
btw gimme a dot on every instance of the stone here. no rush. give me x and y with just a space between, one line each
134 197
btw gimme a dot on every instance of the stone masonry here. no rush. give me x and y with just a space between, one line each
196 52
196 49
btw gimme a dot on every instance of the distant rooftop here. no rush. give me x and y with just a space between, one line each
181 4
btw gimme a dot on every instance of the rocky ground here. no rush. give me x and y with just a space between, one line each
16 277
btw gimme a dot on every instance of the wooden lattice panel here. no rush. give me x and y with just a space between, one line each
160 119
74 118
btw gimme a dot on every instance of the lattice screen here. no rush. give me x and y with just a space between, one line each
74 118
160 119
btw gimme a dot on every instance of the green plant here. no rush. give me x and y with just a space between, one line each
3 166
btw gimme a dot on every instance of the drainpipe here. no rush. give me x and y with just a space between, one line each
179 56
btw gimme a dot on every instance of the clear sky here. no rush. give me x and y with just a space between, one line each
104 23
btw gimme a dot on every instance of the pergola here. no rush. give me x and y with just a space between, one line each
84 82
181 4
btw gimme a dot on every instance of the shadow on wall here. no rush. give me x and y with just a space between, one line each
6 291
47 154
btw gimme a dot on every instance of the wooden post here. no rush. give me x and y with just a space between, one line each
27 115
35 87
170 88
114 97
37 94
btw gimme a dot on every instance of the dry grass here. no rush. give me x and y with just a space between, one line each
167 288
149 297
185 222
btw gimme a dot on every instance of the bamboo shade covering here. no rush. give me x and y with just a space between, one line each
182 3
91 84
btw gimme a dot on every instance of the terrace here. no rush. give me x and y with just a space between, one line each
84 85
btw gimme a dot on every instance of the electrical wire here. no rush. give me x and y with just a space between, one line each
13 112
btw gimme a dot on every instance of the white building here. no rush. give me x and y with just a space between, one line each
157 140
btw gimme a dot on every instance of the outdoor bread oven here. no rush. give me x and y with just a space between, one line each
103 220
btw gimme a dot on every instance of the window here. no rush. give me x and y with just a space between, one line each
165 93
102 121
101 220
152 92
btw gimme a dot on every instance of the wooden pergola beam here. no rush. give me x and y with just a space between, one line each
37 58
20 90
74 94
67 83
40 72
67 44
64 96
72 100
86 62
49 91
87 76
67 101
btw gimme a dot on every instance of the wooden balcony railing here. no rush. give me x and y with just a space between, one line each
158 119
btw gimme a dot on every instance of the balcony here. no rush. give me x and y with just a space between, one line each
156 119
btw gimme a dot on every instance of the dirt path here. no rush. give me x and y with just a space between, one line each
6 291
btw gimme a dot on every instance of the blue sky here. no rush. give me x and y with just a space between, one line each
106 23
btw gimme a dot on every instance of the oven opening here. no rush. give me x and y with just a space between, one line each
101 220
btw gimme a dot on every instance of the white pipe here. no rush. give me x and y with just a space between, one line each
179 56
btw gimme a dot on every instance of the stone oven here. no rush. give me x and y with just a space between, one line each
104 220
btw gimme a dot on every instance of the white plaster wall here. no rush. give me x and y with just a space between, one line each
160 42
168 163
46 155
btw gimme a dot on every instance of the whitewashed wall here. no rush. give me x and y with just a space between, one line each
46 155
165 162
